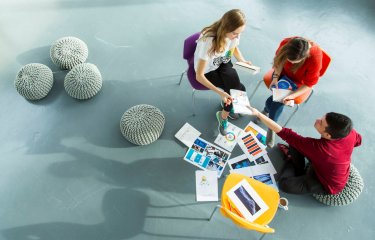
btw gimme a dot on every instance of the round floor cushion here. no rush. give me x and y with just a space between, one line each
68 52
350 193
34 81
142 124
83 81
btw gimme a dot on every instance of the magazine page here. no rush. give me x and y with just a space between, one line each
243 165
229 141
241 104
247 201
187 134
207 156
206 186
251 146
279 94
259 132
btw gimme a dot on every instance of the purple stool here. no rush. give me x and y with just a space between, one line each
190 45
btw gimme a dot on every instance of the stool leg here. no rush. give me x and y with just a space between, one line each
182 75
213 212
193 101
262 236
256 88
291 115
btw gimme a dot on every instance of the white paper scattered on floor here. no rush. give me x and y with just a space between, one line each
206 186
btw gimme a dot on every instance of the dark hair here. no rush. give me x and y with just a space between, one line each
295 49
339 125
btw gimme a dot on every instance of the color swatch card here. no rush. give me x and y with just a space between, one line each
259 132
207 156
229 141
251 146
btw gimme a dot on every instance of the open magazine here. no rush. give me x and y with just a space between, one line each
241 103
207 156
246 201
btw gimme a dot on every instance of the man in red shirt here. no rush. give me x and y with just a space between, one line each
329 156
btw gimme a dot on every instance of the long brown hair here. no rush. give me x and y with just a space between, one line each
229 22
295 49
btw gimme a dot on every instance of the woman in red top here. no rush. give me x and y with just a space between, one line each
297 61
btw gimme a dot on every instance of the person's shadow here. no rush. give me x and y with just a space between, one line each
124 212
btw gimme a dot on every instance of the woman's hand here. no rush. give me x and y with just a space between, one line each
288 100
247 62
226 98
273 83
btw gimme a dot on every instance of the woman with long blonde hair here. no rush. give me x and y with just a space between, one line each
212 61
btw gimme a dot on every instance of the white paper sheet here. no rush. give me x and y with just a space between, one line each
187 134
229 141
240 102
206 186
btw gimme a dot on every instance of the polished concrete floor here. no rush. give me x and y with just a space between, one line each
67 172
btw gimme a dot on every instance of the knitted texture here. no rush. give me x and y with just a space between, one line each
142 124
351 192
83 81
34 81
68 52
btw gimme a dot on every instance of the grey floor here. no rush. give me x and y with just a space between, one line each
67 172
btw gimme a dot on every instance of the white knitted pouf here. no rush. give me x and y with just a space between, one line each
83 81
142 124
34 81
351 192
68 52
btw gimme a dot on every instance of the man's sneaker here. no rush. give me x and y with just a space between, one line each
232 115
223 124
270 141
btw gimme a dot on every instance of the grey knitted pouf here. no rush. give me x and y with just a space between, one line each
68 52
351 192
83 81
142 124
34 81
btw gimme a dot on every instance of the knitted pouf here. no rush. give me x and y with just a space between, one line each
68 52
350 193
34 81
83 81
142 124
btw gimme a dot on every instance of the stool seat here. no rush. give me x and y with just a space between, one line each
351 192
68 52
83 82
34 81
142 124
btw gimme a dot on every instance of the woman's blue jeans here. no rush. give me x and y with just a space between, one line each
273 108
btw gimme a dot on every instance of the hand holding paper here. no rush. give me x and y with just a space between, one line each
240 102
